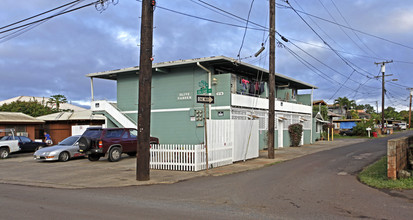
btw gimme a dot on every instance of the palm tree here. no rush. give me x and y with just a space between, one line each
57 100
344 103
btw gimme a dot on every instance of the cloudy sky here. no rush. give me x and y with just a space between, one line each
332 44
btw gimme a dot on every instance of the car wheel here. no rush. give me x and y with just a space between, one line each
84 143
64 156
93 157
115 154
4 153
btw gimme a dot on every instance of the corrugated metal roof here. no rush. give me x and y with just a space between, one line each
71 116
225 63
18 117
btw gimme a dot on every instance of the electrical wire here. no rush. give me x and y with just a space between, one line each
362 32
26 19
23 30
348 24
246 28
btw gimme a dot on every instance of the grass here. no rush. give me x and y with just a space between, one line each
375 175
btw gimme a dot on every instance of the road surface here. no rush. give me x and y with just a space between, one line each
318 186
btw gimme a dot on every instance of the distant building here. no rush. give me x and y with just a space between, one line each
44 101
64 124
24 125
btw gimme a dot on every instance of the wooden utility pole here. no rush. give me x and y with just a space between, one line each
383 91
410 106
271 83
145 81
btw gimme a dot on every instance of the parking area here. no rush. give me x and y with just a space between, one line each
22 169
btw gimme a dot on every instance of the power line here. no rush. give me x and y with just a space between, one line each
362 32
334 70
245 31
348 24
315 69
210 20
341 28
40 14
23 30
47 18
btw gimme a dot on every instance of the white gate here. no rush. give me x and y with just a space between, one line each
240 135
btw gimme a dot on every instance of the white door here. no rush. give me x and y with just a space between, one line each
280 133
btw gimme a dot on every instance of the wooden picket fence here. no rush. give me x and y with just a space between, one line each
185 157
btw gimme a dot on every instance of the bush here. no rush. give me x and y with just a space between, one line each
360 128
327 129
295 131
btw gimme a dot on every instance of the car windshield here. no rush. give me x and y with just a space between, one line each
69 141
92 133
5 138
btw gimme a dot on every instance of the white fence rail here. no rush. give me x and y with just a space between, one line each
188 157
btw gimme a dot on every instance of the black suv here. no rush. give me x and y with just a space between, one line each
110 142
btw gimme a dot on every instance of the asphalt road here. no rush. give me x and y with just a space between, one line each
318 186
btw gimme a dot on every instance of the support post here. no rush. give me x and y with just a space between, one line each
271 83
91 89
145 81
410 107
332 134
206 138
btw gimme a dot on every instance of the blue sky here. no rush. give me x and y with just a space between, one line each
54 57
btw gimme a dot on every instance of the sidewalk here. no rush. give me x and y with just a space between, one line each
85 174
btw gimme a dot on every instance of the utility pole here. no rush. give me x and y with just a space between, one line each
145 81
271 83
383 70
410 106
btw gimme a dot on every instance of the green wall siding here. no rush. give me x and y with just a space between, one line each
127 91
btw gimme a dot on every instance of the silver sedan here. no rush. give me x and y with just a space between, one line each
65 150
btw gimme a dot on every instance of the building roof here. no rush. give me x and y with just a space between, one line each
220 63
71 116
18 117
63 106
322 102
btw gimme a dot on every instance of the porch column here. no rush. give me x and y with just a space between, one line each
91 88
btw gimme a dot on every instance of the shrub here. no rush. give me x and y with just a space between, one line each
327 129
360 128
295 131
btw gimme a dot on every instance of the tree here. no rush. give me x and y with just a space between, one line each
345 103
57 100
32 108
391 113
367 108
323 111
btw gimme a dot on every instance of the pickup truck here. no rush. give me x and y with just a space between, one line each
7 147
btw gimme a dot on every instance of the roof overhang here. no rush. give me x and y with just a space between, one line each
218 63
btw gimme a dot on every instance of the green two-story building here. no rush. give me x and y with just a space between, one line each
240 92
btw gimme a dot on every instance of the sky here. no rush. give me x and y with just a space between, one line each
331 44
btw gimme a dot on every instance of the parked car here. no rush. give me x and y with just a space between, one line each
7 147
65 150
348 132
402 126
25 143
110 142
